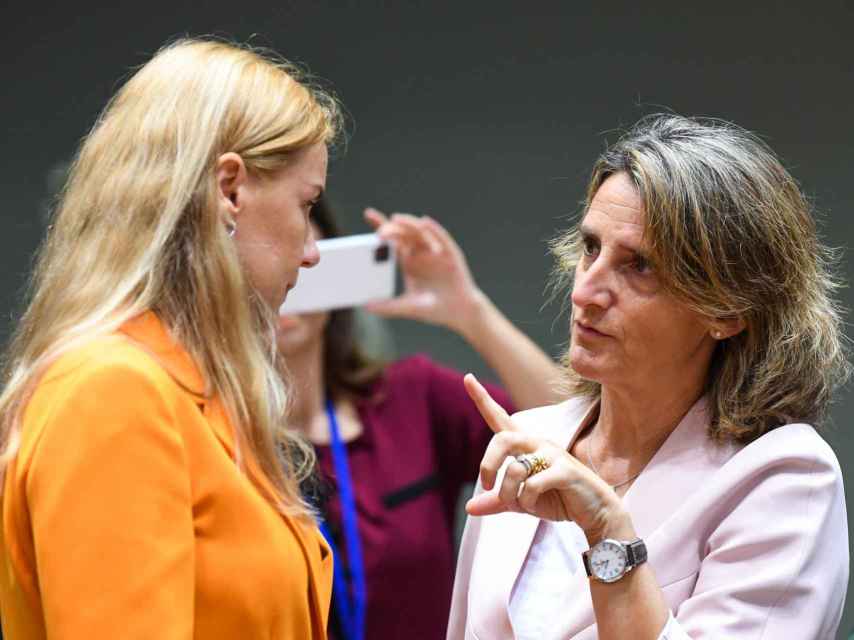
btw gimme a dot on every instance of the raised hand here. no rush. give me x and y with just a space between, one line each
438 286
566 490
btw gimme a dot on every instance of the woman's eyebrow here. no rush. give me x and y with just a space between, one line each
589 234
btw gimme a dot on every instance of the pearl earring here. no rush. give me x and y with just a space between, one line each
717 335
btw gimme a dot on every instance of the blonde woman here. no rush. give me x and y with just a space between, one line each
150 489
681 490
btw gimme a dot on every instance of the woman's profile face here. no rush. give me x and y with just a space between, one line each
627 330
273 235
297 333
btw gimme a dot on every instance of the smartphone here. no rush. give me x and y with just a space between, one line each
352 270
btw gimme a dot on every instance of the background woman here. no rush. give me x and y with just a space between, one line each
411 436
142 417
681 474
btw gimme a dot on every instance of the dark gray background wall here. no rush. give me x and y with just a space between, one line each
486 115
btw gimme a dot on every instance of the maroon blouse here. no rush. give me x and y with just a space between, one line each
423 439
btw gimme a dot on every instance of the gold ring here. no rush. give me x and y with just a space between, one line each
533 463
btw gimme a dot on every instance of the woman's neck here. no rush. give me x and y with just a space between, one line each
632 425
307 376
308 409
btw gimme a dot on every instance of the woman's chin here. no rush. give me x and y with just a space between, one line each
291 343
587 366
288 322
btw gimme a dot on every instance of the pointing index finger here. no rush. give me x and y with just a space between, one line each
494 414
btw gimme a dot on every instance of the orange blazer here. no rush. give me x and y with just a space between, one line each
125 515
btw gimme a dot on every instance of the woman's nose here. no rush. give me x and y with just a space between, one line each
591 286
310 253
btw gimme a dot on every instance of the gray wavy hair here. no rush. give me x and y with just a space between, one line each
732 235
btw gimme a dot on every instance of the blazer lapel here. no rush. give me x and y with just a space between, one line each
506 538
678 468
149 333
318 557
152 336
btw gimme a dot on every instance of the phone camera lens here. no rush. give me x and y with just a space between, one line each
381 253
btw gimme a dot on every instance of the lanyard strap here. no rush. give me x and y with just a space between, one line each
349 598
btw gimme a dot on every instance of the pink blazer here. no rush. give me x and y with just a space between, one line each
746 542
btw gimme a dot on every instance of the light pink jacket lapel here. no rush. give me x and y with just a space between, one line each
494 548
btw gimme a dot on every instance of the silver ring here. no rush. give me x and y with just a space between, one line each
529 466
533 463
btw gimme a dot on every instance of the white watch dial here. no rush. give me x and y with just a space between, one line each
608 561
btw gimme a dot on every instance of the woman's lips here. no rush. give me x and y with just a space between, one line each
589 332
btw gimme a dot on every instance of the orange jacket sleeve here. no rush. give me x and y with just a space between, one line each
110 504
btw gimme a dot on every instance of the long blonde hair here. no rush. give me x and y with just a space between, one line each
732 235
138 228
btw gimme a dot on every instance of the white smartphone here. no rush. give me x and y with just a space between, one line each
352 270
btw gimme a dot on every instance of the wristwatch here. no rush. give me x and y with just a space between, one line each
609 560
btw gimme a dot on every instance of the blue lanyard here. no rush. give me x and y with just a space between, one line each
349 598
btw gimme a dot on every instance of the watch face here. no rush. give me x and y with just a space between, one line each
608 561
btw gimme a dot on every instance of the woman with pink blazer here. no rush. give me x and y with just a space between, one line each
681 491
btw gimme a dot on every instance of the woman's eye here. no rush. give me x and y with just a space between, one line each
589 247
642 265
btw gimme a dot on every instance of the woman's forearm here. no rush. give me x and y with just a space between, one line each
632 607
528 374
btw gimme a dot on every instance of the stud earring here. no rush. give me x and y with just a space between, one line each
717 335
231 229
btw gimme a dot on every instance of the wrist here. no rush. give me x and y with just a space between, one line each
474 316
616 525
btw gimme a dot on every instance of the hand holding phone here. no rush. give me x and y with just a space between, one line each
438 287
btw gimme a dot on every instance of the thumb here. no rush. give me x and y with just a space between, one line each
486 504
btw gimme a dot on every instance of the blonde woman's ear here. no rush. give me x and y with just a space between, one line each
230 175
